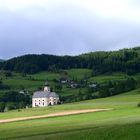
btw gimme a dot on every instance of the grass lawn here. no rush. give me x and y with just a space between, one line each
121 123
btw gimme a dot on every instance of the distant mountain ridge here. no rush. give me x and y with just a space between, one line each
1 60
125 60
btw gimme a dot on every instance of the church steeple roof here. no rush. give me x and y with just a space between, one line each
46 83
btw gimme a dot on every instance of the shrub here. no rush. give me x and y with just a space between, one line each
10 106
138 104
2 106
8 73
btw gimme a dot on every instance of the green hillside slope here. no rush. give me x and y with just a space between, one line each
122 123
10 85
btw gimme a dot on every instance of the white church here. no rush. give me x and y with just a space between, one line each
44 98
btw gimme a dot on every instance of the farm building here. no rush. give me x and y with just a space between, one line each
44 98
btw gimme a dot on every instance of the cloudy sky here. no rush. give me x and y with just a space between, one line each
67 27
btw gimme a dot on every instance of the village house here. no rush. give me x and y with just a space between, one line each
92 85
63 80
44 98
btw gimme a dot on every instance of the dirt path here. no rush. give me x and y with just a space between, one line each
72 112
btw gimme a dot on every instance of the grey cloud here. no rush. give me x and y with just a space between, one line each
68 31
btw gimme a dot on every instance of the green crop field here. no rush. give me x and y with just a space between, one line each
121 123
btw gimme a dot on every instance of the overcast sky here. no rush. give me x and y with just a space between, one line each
67 27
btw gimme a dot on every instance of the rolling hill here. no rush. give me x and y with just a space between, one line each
125 60
117 78
123 122
1 60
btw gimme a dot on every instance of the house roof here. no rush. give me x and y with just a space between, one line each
44 94
93 85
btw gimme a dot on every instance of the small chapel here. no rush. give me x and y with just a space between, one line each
45 97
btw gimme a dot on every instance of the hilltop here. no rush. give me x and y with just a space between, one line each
125 60
1 60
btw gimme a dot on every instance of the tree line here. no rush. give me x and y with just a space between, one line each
13 100
106 89
125 60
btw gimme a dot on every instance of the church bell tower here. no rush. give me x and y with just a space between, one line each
46 87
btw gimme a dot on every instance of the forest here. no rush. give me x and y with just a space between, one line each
125 60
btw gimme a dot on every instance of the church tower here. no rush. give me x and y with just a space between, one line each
46 87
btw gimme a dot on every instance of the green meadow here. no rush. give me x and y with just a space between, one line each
121 123
36 81
32 82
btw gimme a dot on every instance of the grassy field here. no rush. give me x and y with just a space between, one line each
113 76
121 123
35 81
79 74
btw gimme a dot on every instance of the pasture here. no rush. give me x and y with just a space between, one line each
123 122
32 82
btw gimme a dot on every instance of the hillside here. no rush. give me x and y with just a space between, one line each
126 60
77 89
123 120
93 81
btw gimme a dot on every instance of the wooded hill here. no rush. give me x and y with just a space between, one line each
1 60
125 60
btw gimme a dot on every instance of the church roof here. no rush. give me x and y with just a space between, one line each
44 94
